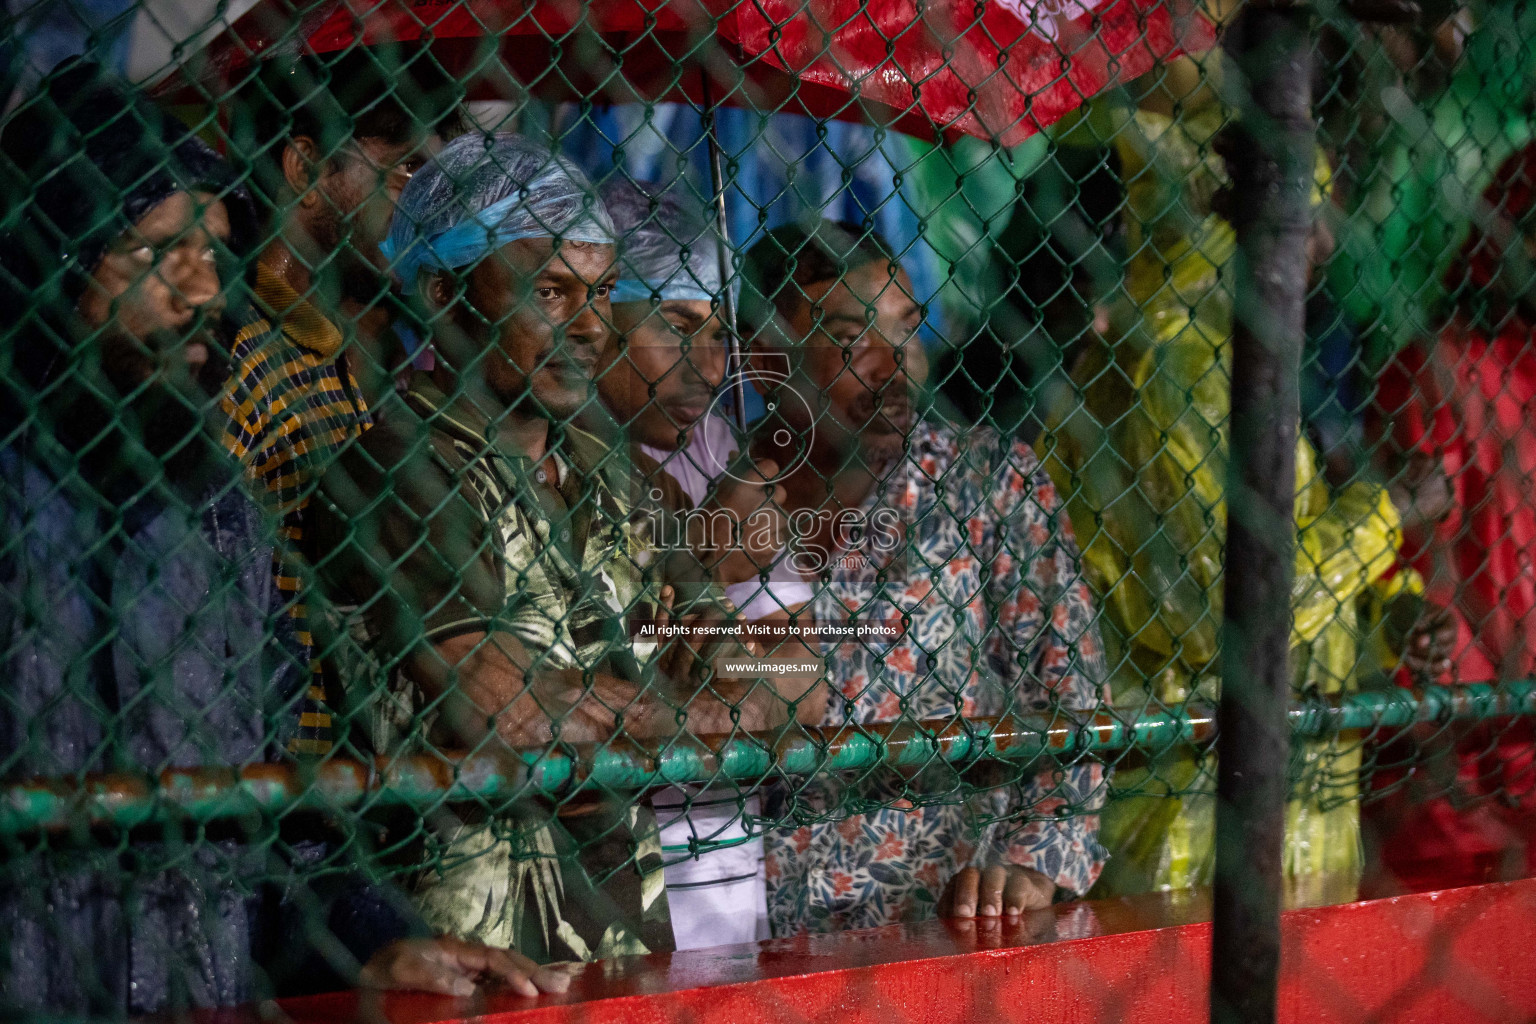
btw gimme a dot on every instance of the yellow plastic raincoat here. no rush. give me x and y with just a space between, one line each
1141 458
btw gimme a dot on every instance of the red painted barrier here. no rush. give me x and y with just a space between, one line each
1454 957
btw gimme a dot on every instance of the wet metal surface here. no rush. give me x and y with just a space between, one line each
1454 957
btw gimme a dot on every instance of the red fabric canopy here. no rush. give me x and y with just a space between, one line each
1005 74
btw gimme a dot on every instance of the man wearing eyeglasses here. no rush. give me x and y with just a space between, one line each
134 597
337 142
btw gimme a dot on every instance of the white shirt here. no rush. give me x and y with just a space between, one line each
719 897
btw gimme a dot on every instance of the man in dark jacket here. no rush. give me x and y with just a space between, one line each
136 605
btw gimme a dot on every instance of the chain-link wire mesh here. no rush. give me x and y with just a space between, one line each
590 479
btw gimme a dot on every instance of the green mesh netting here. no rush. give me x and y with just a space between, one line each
594 480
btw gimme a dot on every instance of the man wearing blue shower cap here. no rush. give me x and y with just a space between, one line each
659 378
500 557
525 237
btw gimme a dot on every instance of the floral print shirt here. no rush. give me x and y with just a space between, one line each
993 618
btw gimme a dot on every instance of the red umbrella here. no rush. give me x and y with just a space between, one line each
926 68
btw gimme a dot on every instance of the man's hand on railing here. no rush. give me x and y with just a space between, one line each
725 705
484 677
1422 633
453 967
1000 889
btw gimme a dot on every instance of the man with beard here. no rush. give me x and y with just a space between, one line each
947 550
337 143
503 584
135 595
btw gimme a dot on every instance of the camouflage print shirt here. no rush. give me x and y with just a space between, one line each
474 537
570 553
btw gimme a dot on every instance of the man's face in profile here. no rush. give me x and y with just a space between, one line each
863 357
360 187
548 310
660 375
156 302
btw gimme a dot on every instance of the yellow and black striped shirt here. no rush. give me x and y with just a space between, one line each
292 405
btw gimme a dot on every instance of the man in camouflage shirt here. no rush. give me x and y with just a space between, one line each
499 558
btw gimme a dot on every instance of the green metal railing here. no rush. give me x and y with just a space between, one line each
422 781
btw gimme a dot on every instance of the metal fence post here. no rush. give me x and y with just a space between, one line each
1270 157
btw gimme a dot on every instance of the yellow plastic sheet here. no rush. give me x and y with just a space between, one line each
1142 457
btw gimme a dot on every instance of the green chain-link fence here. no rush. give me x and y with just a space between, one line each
595 478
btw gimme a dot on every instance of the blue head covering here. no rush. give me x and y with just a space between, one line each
482 192
667 248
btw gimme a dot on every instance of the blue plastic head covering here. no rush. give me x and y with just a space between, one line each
656 226
482 192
